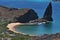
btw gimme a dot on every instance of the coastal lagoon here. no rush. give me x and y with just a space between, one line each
40 8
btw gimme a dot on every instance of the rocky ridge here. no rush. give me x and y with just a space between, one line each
17 15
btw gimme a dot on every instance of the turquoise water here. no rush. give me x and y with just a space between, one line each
41 29
39 7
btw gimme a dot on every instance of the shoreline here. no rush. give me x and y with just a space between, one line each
11 28
12 25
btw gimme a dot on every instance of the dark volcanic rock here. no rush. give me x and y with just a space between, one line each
47 17
17 15
48 13
30 15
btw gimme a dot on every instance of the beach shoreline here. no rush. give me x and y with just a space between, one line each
11 28
45 36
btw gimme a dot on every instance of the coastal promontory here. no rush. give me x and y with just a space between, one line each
17 15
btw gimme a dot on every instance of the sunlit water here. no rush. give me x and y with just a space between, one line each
39 7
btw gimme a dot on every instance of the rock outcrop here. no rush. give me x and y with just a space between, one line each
24 15
47 17
17 15
30 15
47 37
48 13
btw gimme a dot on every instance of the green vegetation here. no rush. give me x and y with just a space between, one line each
16 37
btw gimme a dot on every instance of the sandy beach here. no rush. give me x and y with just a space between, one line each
12 25
33 37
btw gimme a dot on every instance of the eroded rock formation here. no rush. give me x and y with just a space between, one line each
47 17
48 13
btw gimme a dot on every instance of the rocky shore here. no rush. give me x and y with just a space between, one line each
33 37
47 37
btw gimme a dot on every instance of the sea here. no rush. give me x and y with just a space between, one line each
39 7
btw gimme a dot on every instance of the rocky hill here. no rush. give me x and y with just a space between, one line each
17 15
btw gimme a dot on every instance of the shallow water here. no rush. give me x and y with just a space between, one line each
39 7
51 28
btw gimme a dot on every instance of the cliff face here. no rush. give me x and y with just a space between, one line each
17 15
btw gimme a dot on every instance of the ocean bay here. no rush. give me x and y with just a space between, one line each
39 7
